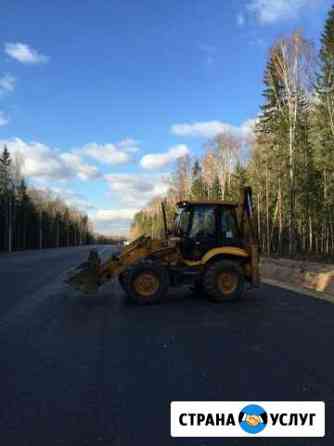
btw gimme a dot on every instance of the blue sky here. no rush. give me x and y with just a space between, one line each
100 97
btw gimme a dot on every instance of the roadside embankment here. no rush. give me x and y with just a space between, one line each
306 275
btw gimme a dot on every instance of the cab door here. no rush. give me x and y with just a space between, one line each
202 232
228 229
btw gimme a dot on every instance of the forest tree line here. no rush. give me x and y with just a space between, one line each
290 165
35 219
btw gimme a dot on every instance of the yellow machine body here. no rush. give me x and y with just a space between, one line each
94 273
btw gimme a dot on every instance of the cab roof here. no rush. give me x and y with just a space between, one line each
182 204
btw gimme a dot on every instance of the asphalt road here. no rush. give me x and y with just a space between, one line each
102 372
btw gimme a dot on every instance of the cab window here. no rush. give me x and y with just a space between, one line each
203 223
182 221
229 228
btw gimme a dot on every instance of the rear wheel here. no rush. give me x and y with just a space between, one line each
146 283
224 281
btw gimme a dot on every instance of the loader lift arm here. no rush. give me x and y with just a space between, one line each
89 276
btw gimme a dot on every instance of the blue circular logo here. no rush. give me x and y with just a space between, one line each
253 419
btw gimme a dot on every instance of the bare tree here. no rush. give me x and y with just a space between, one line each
181 180
226 148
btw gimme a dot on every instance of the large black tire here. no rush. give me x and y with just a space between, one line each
146 283
224 281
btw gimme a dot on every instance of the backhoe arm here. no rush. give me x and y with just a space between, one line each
246 213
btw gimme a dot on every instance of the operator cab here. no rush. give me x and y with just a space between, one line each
205 225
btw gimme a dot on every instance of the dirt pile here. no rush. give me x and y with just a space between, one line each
309 275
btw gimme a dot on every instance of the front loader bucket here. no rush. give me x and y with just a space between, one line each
85 277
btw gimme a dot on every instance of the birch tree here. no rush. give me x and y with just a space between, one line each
291 60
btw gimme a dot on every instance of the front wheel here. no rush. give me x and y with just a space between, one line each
147 283
224 281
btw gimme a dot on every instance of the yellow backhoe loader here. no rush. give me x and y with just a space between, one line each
212 246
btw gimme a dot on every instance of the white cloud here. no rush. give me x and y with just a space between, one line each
247 127
72 198
7 83
131 192
159 160
128 144
24 53
240 19
113 154
115 214
112 228
83 170
41 162
38 159
4 120
136 190
113 221
210 129
271 11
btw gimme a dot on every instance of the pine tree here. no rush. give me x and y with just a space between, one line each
325 80
5 172
325 126
308 190
270 157
23 210
7 198
272 114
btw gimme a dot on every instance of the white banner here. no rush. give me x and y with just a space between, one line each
247 419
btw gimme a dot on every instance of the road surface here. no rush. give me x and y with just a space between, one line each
103 372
